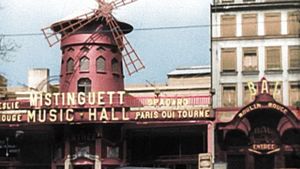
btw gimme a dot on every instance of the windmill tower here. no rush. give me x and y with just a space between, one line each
94 49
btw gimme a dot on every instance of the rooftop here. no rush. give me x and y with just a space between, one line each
192 70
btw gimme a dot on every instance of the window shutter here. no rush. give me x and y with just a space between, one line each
228 59
228 26
294 93
278 95
273 58
249 24
247 96
272 24
229 96
294 57
294 23
250 58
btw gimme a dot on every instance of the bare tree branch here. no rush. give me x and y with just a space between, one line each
7 47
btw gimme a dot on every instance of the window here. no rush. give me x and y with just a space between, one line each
294 93
247 96
228 60
248 0
228 25
275 89
84 85
272 24
70 49
84 49
100 64
249 24
229 96
70 65
84 64
250 59
294 57
115 65
101 48
294 23
273 58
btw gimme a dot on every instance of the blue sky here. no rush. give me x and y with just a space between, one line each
160 50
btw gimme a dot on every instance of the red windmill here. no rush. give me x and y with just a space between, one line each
93 46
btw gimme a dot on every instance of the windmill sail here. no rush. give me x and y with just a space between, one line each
131 60
64 29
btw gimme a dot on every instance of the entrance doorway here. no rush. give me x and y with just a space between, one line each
174 147
264 161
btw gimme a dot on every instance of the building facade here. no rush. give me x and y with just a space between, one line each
255 62
90 120
158 125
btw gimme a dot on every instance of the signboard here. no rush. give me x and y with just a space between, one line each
205 161
264 140
99 107
268 105
263 87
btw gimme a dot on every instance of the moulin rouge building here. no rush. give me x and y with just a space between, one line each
90 121
256 81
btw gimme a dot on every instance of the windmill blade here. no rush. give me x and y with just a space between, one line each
75 24
119 3
131 60
100 2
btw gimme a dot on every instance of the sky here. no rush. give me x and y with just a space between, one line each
161 50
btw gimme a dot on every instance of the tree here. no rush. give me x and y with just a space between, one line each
6 48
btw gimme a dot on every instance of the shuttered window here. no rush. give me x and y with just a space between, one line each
294 57
294 93
273 58
272 24
228 60
229 96
228 25
294 23
247 96
250 59
277 95
249 24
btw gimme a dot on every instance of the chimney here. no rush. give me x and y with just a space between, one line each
38 79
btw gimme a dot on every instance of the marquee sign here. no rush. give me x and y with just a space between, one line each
98 107
264 140
268 105
263 87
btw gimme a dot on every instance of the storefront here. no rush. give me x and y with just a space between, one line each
113 130
262 135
